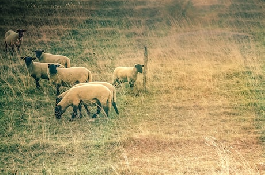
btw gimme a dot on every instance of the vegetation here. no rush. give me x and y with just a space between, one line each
202 113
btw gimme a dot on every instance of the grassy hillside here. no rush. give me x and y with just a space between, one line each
202 113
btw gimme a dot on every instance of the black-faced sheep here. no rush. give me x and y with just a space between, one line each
37 70
50 58
13 39
68 76
127 74
86 94
108 85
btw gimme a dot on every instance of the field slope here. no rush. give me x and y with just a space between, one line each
202 112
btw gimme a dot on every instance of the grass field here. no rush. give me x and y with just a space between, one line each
202 112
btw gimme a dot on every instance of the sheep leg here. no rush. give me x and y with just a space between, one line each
106 110
115 107
131 83
88 113
74 113
6 46
98 109
80 107
37 82
57 89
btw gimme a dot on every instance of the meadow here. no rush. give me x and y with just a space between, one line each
202 111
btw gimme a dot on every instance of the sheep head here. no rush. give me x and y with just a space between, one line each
139 67
58 111
38 53
53 68
28 60
20 33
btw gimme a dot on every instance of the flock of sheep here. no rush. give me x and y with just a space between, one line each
57 69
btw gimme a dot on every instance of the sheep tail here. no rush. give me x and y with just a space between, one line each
89 76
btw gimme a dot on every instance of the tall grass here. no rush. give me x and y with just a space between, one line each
203 112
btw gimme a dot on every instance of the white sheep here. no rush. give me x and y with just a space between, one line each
108 85
50 58
127 74
37 70
86 94
68 76
13 39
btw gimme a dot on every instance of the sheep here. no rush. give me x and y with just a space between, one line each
50 58
68 76
37 70
108 85
127 74
86 94
13 39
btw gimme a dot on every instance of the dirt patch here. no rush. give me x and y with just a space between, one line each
186 155
204 155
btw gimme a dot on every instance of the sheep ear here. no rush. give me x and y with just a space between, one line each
57 65
142 65
23 58
42 50
33 58
24 30
49 65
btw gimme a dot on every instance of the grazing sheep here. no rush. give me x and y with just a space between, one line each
108 85
13 39
68 76
127 74
37 70
50 58
86 94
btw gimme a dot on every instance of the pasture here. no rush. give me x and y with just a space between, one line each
202 112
